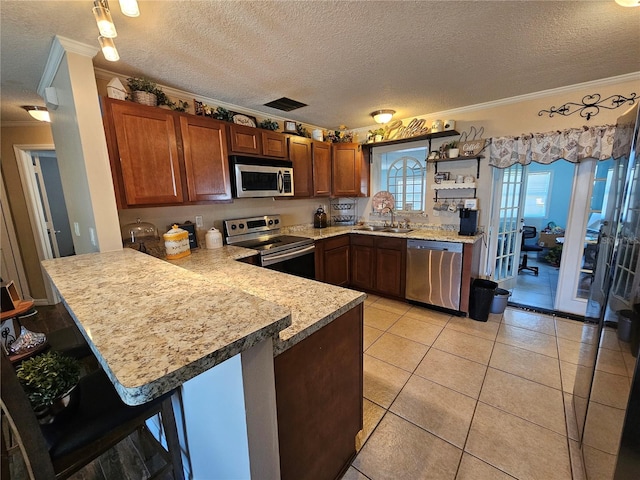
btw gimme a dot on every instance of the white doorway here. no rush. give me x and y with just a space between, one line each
41 184
12 268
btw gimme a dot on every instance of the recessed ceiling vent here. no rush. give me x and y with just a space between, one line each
285 104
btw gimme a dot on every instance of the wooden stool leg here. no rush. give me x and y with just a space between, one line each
171 434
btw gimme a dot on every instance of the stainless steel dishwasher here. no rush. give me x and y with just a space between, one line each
434 272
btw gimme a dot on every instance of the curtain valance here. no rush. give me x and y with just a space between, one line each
573 145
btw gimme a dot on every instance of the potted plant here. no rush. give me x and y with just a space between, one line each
376 135
143 91
554 255
50 382
269 124
452 149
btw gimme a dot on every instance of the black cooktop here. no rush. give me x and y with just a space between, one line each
275 244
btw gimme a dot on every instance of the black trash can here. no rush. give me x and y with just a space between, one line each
482 293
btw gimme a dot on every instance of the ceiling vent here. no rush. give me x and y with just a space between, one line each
285 104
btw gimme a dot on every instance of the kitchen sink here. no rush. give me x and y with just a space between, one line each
376 228
397 230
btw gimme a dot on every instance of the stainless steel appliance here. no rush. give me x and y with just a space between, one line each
434 273
260 177
285 253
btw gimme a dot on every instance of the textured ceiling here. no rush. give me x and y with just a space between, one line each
342 58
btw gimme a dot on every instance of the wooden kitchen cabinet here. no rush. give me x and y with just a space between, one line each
143 149
255 141
321 156
205 158
319 384
300 155
332 260
378 264
350 171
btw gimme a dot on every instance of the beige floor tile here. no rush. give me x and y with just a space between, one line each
452 371
611 361
472 468
382 382
394 306
525 363
576 352
570 415
516 446
580 409
378 318
370 335
464 345
609 339
609 389
399 450
630 362
371 299
439 410
488 330
568 372
598 464
528 339
371 416
583 376
532 401
576 331
353 474
398 351
531 321
417 330
495 317
603 427
427 315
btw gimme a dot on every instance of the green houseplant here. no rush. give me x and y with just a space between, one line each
269 124
50 381
143 91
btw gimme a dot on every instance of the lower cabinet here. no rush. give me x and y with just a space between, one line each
319 385
378 264
332 260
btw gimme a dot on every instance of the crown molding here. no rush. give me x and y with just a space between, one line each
60 46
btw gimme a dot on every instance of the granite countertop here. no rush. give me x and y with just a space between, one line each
417 233
130 305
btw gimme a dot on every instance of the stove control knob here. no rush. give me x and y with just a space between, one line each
270 222
241 226
277 221
233 226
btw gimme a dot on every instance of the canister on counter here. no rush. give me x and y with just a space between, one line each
176 243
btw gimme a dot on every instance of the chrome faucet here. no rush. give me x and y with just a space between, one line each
393 223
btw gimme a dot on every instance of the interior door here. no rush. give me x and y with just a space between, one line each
506 224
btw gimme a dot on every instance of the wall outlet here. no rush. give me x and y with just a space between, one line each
76 228
199 223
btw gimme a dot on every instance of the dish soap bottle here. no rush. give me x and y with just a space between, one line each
213 239
320 218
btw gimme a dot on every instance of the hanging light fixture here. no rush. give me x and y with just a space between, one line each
628 3
103 19
39 113
109 50
129 8
382 116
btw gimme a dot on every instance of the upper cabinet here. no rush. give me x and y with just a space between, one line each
144 154
350 171
205 158
321 158
255 141
160 157
300 155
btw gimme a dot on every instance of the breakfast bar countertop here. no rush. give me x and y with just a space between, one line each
153 325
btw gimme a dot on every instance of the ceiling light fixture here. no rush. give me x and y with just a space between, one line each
628 3
39 113
382 116
129 8
109 50
103 19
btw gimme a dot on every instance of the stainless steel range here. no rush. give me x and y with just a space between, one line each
285 253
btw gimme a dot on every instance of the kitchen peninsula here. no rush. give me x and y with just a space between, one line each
155 326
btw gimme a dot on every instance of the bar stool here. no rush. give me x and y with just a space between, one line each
73 440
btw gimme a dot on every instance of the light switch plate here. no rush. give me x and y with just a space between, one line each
199 223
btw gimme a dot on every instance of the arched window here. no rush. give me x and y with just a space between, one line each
406 182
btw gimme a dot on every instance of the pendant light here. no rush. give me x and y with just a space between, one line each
109 50
382 116
129 8
628 3
103 19
39 113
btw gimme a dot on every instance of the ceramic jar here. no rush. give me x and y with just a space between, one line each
213 239
176 243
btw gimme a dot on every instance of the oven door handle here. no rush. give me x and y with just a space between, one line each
283 257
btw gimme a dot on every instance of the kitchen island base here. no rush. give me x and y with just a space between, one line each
319 400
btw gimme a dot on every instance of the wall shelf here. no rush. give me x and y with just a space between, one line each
453 186
440 160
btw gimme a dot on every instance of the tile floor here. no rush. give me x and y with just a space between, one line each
536 290
452 398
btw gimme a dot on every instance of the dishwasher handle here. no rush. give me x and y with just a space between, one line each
453 247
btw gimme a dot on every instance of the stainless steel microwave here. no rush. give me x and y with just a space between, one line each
260 177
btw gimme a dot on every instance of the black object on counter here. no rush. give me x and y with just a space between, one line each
320 218
482 293
468 222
